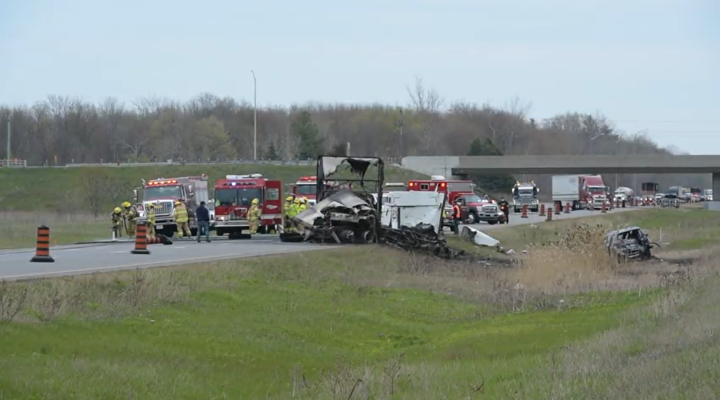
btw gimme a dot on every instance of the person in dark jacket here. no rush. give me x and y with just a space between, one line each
203 219
505 207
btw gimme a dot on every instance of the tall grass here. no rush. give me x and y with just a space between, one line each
19 229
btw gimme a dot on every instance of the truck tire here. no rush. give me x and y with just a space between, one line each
492 222
472 218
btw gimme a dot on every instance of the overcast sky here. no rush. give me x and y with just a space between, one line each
646 64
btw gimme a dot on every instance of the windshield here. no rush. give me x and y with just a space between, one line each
596 190
709 191
473 198
162 192
305 189
237 197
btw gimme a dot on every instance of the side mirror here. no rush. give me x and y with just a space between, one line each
135 195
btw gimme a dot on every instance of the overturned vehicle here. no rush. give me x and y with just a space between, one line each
364 214
629 244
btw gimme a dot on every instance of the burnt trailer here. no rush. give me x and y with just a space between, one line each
349 202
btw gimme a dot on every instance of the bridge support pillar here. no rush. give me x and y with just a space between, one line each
715 204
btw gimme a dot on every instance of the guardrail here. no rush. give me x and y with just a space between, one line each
13 163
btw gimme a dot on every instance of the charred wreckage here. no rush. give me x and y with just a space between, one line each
629 244
351 208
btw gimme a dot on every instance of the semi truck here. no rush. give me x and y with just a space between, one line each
525 194
623 194
165 192
581 191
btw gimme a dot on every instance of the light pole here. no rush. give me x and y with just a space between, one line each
617 153
254 116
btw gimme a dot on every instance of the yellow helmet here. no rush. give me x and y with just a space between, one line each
157 205
255 201
117 210
304 200
297 200
126 204
289 199
177 203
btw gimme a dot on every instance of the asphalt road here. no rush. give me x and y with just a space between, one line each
533 218
83 259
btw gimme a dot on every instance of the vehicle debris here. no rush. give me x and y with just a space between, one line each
630 243
482 239
355 213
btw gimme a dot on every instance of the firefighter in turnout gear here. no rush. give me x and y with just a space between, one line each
130 215
303 205
505 208
288 213
117 221
151 219
254 214
181 219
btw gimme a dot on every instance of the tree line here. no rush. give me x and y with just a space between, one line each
62 130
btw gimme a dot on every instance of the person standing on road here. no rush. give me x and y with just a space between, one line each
203 220
181 219
457 214
254 215
505 207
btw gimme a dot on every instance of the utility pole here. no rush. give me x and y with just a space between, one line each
254 115
402 138
9 135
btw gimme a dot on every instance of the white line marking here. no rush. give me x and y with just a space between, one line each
119 252
179 247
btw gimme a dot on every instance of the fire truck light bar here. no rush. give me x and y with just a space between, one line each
155 183
308 178
243 176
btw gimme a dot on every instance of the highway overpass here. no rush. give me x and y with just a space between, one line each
461 166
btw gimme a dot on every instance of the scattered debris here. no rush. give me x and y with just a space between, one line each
630 243
482 239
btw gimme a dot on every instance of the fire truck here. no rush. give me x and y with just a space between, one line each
234 196
306 187
165 192
438 183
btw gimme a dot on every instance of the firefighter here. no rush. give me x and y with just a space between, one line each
287 213
254 215
303 205
505 208
130 215
151 219
117 220
181 219
457 214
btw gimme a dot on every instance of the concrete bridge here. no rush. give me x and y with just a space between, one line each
461 166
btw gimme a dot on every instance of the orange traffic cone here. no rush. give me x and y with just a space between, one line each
524 211
42 248
549 214
141 240
542 210
567 208
603 208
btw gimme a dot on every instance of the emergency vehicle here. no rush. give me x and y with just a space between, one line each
165 192
307 187
437 183
233 199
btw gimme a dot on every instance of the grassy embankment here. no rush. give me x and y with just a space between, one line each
61 198
366 322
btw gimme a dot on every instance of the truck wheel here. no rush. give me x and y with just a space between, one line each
492 222
472 218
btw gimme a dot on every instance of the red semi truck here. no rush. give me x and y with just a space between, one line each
581 191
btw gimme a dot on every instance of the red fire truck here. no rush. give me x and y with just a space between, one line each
307 187
453 188
234 196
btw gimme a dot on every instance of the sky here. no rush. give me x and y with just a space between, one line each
648 65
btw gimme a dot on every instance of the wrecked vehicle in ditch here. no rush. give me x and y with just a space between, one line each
630 243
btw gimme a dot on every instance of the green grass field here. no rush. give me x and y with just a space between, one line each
67 190
371 322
